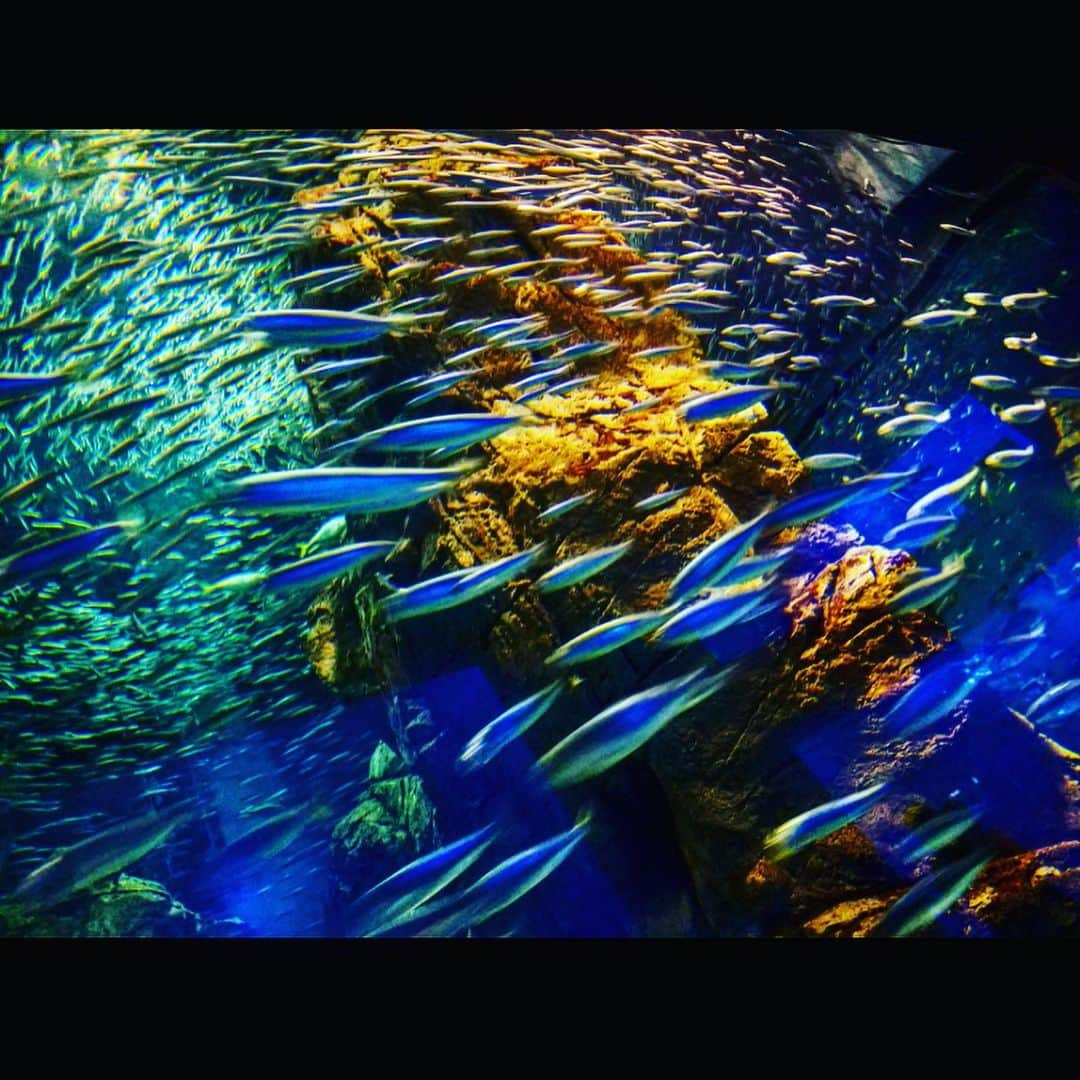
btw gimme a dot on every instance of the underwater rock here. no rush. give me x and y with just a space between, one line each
1036 894
892 169
126 907
390 826
729 771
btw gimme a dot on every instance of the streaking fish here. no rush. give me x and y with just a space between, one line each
74 868
446 433
938 833
822 462
55 554
929 320
394 898
713 614
817 504
950 489
508 882
724 402
709 566
1058 703
934 696
794 835
607 637
929 589
15 385
581 567
359 490
507 726
313 570
457 587
920 532
618 731
302 326
923 904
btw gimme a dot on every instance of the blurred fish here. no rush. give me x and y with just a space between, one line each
395 898
622 728
508 882
358 490
581 567
794 835
930 589
56 554
507 726
936 694
925 902
80 866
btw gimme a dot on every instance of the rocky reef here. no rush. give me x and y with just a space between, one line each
802 721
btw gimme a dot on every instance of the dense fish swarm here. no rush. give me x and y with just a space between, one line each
379 508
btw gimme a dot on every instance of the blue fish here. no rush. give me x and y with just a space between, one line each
507 726
622 728
359 490
394 898
55 554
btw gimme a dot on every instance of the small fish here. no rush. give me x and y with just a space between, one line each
823 462
709 566
1009 459
1023 414
929 589
507 726
794 835
565 506
330 532
958 229
316 569
446 433
925 902
920 532
724 403
360 491
950 489
56 554
660 499
1017 343
938 833
607 637
929 320
842 302
979 299
912 425
993 382
619 730
385 905
1024 301
785 258
581 567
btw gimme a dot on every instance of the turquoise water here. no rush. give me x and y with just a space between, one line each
190 709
